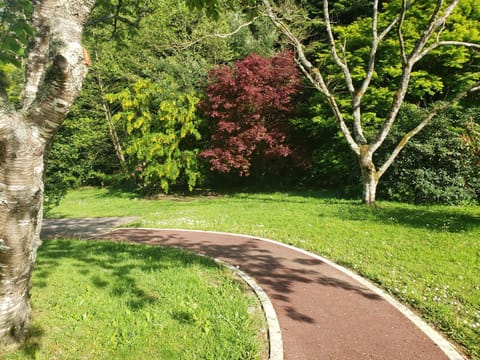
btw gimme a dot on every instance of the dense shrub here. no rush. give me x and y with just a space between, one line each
440 164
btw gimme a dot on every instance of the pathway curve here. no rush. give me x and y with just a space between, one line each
323 311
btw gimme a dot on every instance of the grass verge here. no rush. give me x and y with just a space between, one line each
99 300
426 256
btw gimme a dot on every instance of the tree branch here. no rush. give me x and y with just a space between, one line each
373 51
400 34
436 20
221 36
313 74
431 114
448 43
333 50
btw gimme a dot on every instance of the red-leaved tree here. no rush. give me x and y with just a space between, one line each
249 106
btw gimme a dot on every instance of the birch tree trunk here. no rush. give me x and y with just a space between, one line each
55 70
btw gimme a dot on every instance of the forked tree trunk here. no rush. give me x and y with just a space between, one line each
21 196
55 68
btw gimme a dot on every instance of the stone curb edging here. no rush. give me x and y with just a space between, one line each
275 342
429 331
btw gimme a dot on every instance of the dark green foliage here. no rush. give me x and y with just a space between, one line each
82 151
439 165
15 30
332 164
80 155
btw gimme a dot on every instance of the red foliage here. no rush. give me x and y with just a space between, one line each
250 105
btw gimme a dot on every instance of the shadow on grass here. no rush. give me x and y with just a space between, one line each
32 343
87 258
441 219
436 218
109 267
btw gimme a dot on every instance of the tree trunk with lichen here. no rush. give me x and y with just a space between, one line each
55 69
21 189
370 176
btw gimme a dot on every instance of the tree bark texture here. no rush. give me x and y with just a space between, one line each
54 73
21 194
370 176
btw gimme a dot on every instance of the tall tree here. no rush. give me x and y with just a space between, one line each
411 31
56 64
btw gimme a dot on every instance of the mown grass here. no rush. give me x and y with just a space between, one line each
426 256
100 300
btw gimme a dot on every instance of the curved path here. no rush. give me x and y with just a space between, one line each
324 311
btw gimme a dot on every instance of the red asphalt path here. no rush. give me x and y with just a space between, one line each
323 312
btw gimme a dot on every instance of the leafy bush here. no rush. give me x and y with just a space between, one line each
161 125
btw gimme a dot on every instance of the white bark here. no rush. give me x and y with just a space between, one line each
54 73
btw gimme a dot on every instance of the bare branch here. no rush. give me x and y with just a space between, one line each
431 114
313 74
371 65
400 33
448 43
221 36
333 50
373 51
435 22
357 116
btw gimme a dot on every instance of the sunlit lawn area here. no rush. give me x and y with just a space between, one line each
100 300
427 256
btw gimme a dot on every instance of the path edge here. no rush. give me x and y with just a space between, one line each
275 342
449 349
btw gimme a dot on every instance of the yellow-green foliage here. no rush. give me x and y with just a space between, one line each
158 121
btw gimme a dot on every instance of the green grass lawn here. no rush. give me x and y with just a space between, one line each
101 300
426 256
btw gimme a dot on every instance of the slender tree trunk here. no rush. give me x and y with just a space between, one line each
113 132
370 176
21 197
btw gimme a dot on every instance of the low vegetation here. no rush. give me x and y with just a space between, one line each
99 300
426 256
